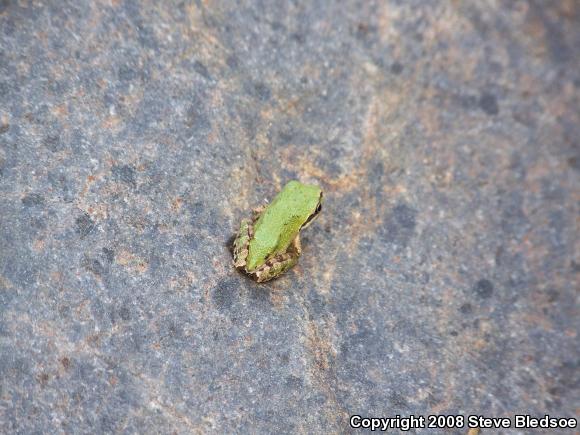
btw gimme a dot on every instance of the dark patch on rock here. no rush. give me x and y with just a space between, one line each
377 172
398 401
294 382
4 128
467 101
62 185
233 62
299 37
556 40
488 103
201 69
197 211
250 123
37 223
43 379
513 219
192 242
173 329
84 225
33 199
125 174
259 294
483 288
226 293
127 73
196 118
4 4
396 68
230 243
52 142
65 361
316 303
93 265
552 295
109 254
277 26
285 137
404 216
259 91
125 313
466 309
364 30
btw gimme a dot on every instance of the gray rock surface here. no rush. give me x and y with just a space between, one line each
441 276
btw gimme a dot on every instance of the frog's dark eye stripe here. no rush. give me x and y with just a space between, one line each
312 216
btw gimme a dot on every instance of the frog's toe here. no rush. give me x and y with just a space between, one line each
241 243
257 212
295 247
263 275
240 257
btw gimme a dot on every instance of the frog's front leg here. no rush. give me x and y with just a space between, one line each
242 243
281 263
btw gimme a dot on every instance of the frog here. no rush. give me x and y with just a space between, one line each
268 244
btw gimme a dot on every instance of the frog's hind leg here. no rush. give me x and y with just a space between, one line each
281 263
242 243
257 212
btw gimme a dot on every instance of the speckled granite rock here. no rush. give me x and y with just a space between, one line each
440 278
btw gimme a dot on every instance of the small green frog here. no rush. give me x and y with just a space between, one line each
269 244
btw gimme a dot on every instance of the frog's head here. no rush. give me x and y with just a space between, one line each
316 200
304 202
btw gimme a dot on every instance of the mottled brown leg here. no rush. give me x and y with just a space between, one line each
257 212
242 242
279 264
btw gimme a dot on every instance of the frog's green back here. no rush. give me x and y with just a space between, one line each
281 221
